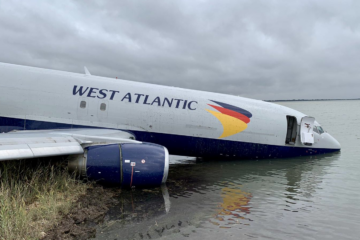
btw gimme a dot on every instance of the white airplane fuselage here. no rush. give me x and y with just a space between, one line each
187 122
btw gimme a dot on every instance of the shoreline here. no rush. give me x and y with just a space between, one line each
85 215
39 199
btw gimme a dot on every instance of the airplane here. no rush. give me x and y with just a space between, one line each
122 132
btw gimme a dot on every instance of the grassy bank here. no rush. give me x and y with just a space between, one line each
34 195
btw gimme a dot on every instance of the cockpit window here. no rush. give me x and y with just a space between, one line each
318 129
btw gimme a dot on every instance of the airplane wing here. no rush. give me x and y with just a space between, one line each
46 143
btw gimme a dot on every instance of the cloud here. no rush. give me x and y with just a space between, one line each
260 49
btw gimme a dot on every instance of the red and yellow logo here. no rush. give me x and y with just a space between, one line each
233 119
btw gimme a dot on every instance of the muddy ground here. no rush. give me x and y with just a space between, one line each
87 212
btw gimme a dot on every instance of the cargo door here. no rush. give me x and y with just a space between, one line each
292 128
306 130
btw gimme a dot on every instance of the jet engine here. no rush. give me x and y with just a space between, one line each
128 165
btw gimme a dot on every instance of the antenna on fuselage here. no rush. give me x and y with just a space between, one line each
87 71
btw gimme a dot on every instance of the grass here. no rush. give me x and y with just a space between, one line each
34 194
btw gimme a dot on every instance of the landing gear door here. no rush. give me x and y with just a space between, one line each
306 130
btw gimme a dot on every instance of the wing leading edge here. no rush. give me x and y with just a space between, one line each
47 143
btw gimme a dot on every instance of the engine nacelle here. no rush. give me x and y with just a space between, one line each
127 165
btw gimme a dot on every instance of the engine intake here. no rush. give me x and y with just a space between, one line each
127 165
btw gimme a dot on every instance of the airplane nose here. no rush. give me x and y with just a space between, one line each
334 144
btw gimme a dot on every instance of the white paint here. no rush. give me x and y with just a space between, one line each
47 95
306 130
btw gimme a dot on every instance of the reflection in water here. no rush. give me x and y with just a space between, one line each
235 207
234 201
139 205
293 177
166 197
301 177
222 193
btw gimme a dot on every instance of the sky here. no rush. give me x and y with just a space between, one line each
262 49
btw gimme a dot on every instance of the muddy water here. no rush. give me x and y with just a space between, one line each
301 198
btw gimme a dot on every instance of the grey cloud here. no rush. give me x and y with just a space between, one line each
259 49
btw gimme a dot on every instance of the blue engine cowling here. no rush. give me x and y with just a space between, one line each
127 165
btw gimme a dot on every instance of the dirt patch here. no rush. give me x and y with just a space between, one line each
87 212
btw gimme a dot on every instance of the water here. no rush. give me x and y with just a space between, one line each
301 198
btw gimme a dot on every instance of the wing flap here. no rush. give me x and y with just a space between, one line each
11 152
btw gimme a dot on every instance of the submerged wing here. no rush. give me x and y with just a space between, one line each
46 143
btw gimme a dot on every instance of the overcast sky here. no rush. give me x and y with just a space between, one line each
261 49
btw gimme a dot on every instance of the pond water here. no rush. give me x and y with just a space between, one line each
300 198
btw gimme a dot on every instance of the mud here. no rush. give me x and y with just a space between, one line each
87 212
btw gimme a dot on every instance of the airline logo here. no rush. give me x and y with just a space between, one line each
233 119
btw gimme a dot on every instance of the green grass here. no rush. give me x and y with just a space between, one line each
34 195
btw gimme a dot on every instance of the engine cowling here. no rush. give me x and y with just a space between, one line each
127 165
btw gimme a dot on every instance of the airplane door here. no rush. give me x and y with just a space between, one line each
292 129
306 130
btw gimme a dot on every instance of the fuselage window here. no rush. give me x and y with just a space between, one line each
103 107
82 104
